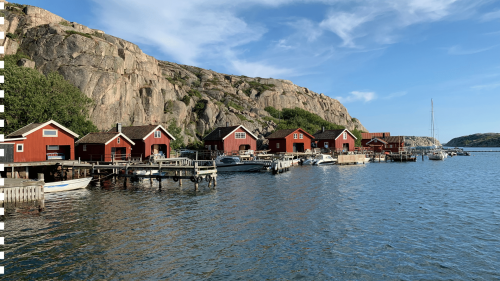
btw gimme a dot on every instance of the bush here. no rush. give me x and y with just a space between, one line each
71 32
35 98
186 99
199 108
194 93
300 118
65 23
176 132
235 106
12 35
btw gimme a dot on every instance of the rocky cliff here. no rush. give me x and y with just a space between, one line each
477 140
133 88
413 141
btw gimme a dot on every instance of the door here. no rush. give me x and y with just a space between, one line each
298 147
8 153
345 147
155 149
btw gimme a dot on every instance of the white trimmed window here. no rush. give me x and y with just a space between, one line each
215 147
157 134
20 147
240 135
84 147
345 135
390 146
277 145
52 147
301 136
49 133
294 136
118 140
209 147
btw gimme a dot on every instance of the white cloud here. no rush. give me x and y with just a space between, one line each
486 86
395 95
491 16
259 69
457 50
357 96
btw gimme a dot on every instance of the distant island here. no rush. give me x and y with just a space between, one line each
476 140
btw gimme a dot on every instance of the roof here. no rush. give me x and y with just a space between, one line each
30 128
221 133
394 139
372 135
281 134
140 132
102 138
377 140
331 134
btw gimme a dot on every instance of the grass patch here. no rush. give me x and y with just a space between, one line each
71 32
186 99
168 107
269 118
65 23
12 35
242 117
194 93
235 106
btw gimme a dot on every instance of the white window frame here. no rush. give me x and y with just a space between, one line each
209 147
390 146
118 140
52 147
277 145
240 135
84 147
345 135
295 136
215 147
17 147
157 134
301 136
50 136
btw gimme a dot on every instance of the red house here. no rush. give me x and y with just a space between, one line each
366 137
336 140
104 146
289 140
148 139
392 144
40 142
231 139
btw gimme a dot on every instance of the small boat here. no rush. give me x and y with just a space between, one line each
324 159
436 155
234 164
66 185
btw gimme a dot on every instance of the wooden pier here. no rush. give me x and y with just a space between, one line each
22 194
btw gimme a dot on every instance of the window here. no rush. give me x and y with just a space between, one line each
157 134
215 147
301 136
84 147
277 145
19 147
345 135
241 135
390 146
49 133
118 140
295 136
326 144
52 147
209 147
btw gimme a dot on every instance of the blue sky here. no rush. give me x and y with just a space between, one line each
383 59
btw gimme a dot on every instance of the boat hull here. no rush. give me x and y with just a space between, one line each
66 185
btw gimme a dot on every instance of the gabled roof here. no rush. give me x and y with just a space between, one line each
141 132
395 139
30 128
331 134
281 134
102 138
367 136
377 140
222 133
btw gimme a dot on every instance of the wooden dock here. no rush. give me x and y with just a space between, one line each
19 193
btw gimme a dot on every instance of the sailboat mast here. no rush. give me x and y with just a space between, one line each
432 122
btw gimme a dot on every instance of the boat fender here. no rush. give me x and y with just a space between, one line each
193 179
175 178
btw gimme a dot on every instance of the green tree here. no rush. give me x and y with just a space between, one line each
176 132
31 97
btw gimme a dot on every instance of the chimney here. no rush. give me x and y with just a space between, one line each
227 124
383 135
323 129
119 127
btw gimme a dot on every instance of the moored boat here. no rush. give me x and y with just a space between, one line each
324 159
66 185
234 164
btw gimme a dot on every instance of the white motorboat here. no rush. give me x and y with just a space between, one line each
308 161
66 185
234 164
324 159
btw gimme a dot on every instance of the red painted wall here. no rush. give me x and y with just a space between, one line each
220 145
96 152
149 141
35 145
339 143
232 144
286 144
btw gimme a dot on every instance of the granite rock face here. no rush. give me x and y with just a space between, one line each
413 141
133 88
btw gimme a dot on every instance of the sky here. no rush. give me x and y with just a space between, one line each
384 60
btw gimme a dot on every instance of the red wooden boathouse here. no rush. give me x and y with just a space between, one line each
148 139
230 139
104 146
290 140
336 140
40 142
366 137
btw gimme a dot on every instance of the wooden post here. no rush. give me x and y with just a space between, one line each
27 172
180 180
126 176
195 173
12 174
